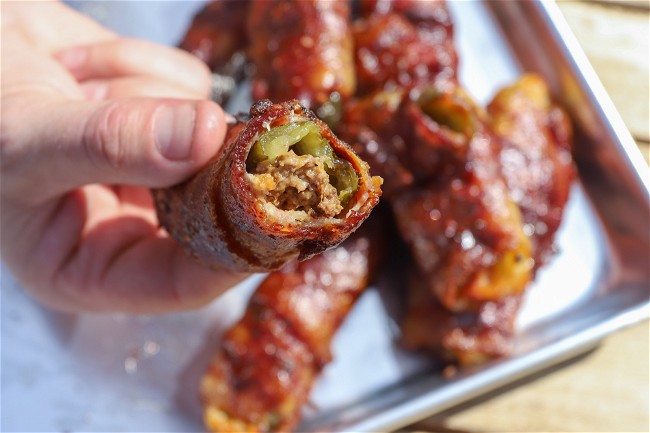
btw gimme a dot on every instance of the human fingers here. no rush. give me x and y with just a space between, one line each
130 57
150 275
95 255
147 142
52 25
131 87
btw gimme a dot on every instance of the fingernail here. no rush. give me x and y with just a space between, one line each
174 130
73 58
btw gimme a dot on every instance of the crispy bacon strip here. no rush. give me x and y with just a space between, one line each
269 360
466 338
246 212
302 49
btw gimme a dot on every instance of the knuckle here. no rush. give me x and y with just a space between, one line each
103 138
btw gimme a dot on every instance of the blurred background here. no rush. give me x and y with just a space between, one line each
607 389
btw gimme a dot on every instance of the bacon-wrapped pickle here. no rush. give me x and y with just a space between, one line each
453 208
399 133
302 49
535 156
469 337
283 187
217 32
404 44
463 228
269 360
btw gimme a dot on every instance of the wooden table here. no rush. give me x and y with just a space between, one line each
607 389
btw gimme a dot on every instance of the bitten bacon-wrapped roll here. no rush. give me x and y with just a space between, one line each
535 157
217 32
269 360
282 187
302 49
404 43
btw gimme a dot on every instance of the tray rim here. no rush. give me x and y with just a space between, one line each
568 41
500 374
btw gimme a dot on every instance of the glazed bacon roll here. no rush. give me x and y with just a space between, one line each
282 187
268 361
443 179
535 157
463 228
533 153
302 49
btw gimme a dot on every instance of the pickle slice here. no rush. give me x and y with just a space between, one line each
343 178
304 138
278 140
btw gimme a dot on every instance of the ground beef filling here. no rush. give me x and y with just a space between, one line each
297 182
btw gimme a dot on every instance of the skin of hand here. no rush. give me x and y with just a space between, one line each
91 121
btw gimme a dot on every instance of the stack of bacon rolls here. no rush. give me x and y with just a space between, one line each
476 193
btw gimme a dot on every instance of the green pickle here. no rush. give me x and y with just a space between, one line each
304 139
343 178
450 111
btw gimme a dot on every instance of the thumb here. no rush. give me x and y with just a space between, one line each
146 142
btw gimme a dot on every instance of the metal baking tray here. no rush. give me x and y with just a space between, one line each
134 373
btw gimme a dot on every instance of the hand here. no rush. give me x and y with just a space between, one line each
87 116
